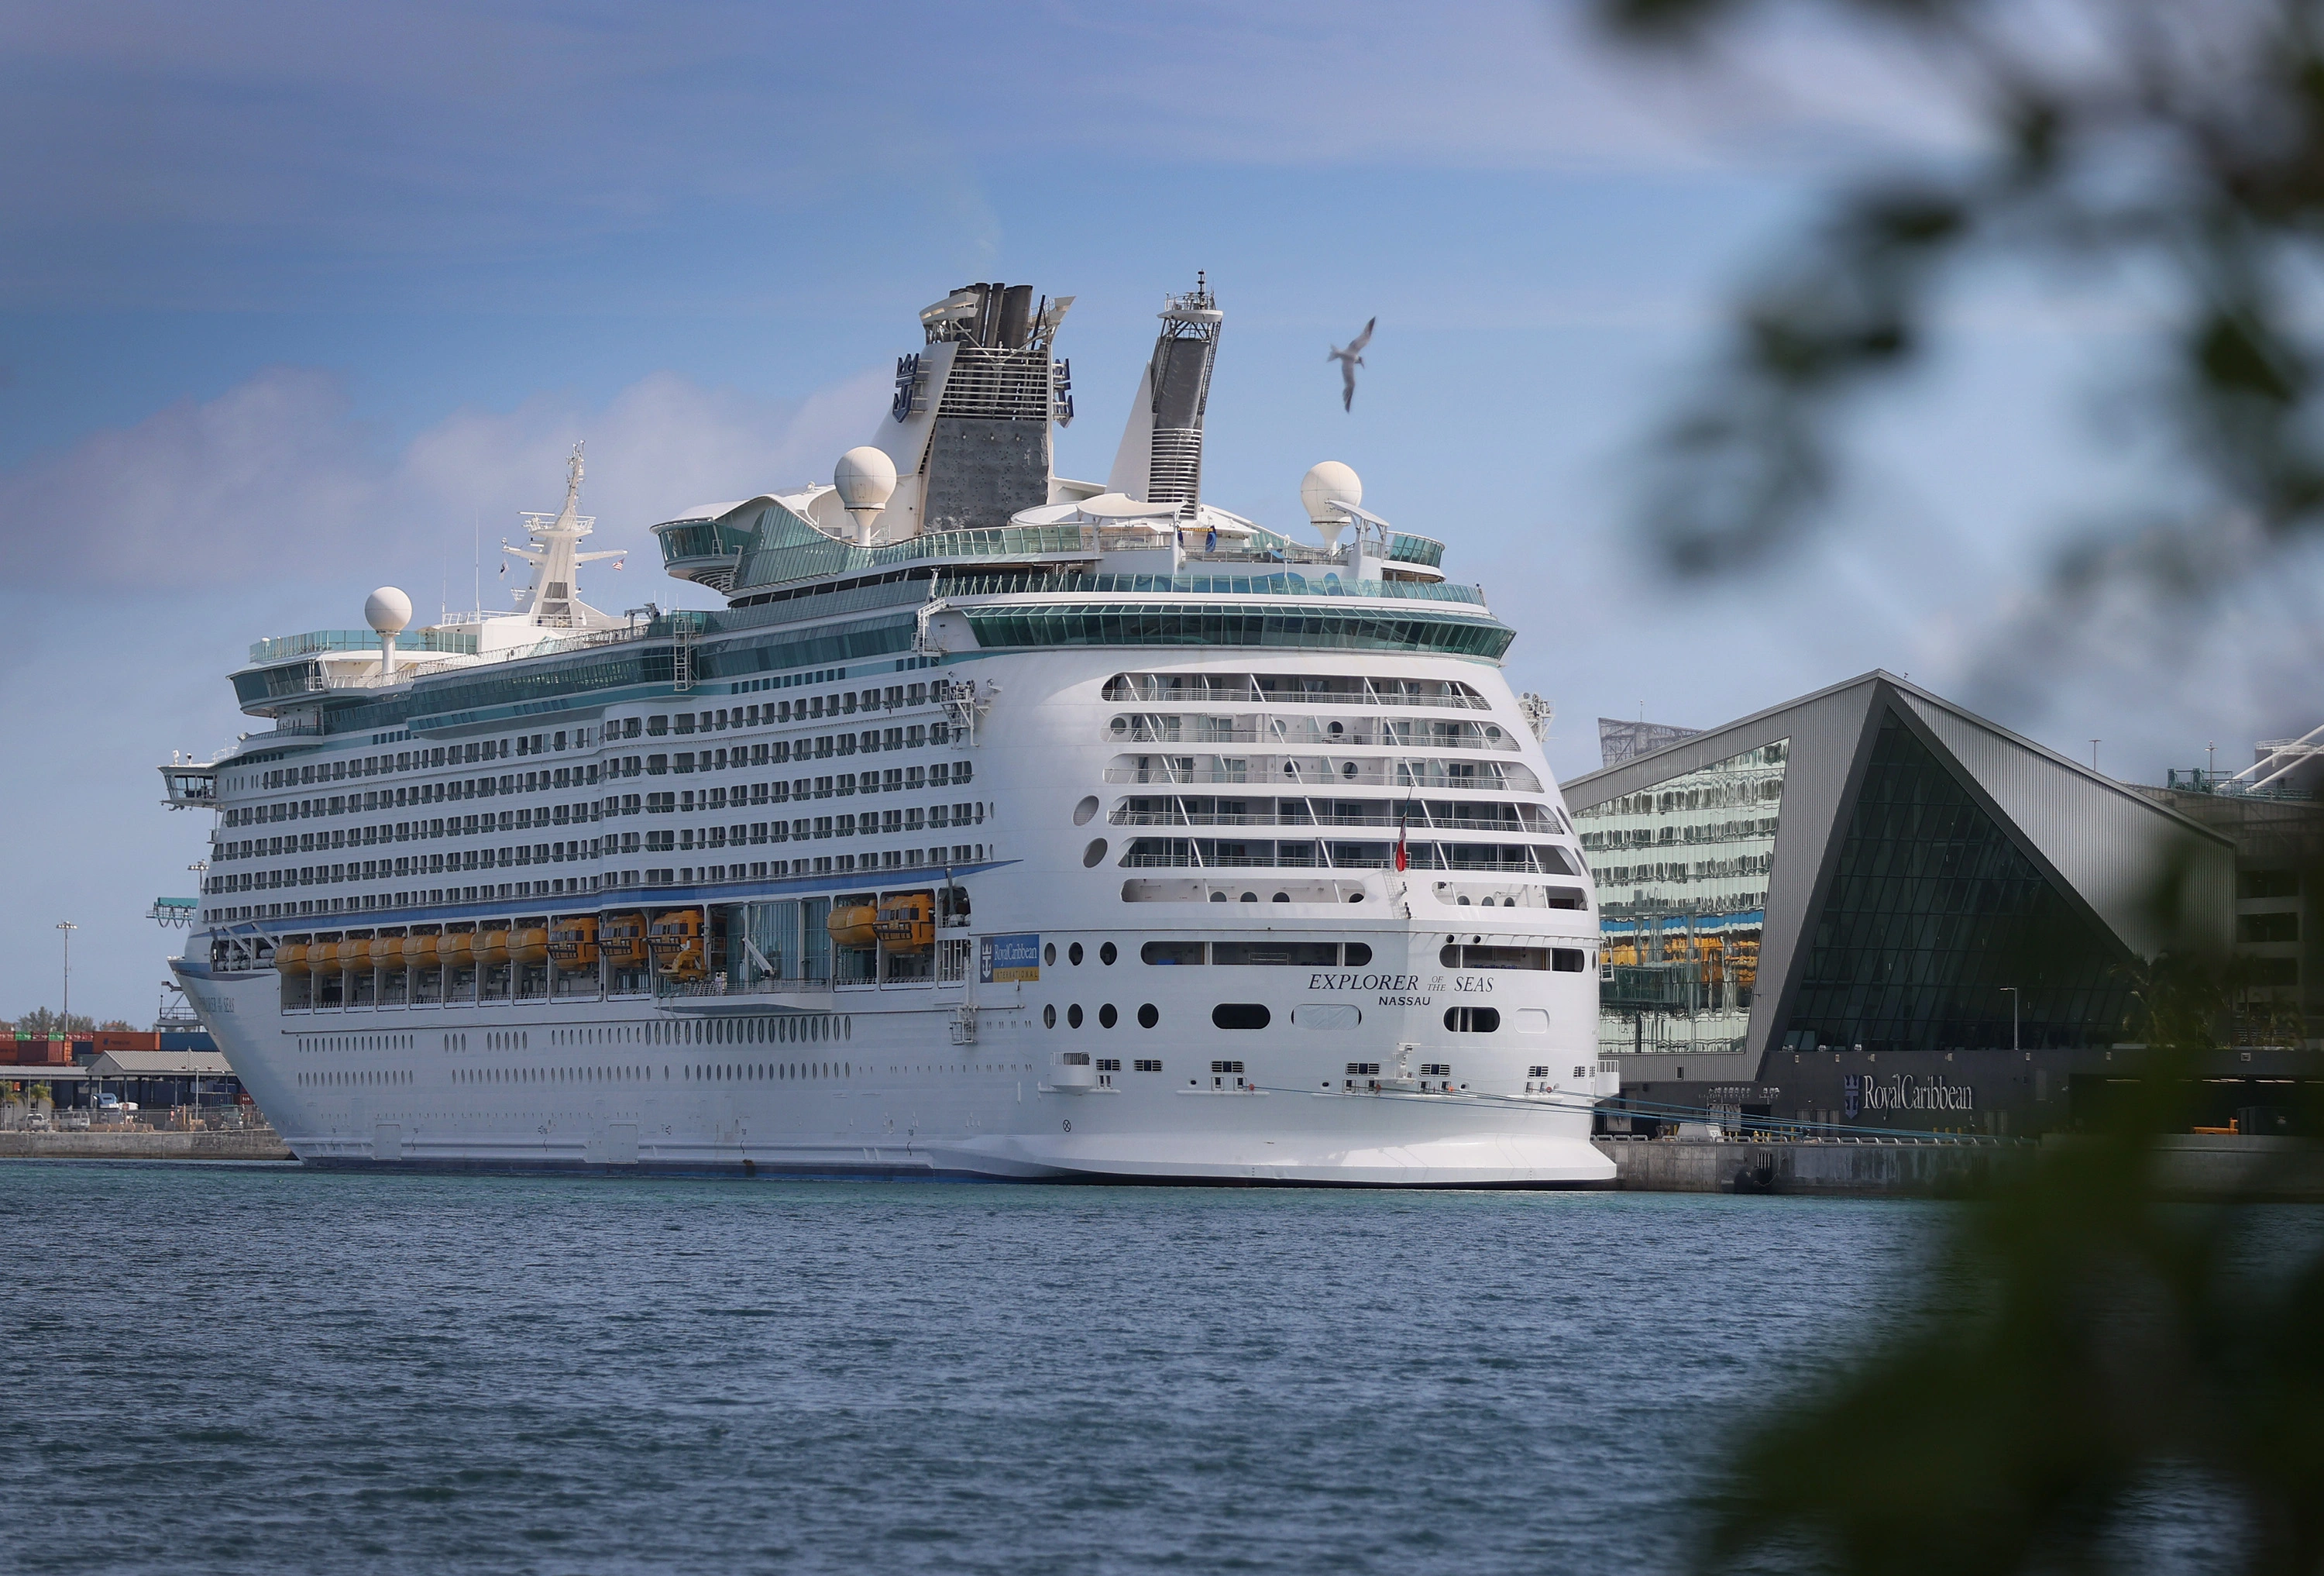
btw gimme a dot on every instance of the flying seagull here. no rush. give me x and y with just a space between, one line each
1349 360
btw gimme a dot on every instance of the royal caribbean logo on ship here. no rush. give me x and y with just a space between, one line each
1009 959
1860 1093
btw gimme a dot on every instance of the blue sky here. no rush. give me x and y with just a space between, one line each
294 301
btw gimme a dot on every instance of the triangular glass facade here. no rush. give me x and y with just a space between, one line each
1933 913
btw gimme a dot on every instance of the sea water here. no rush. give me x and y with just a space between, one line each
274 1369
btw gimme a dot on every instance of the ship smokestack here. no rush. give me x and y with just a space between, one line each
1160 459
1016 315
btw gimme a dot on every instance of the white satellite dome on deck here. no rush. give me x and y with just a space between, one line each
1323 488
388 610
865 479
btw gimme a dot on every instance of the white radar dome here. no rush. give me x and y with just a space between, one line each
1326 485
865 477
387 611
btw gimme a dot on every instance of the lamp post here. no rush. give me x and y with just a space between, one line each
2012 1017
67 926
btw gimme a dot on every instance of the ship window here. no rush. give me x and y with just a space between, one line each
1171 953
1301 954
1074 1016
1240 1015
1107 953
1566 960
1074 955
1472 1020
1049 1016
1494 957
1107 1017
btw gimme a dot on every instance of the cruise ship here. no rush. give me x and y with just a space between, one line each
999 826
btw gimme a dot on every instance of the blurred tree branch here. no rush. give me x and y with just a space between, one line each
2087 1336
2160 140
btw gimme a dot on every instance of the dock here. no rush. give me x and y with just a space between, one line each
2195 1166
250 1143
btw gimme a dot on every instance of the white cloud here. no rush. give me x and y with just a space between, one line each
274 480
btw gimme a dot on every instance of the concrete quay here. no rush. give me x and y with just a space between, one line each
2194 1166
229 1144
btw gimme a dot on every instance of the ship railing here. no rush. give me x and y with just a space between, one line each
1239 690
1384 733
1289 553
1288 774
1417 820
412 642
548 646
1376 855
732 986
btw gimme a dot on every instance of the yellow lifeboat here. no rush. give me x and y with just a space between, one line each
291 957
675 942
857 925
907 922
355 954
454 949
574 942
419 952
387 952
489 946
529 946
622 937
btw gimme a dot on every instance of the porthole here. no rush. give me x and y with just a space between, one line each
1147 1017
1281 898
1107 1017
1074 1016
1049 954
1120 726
1251 897
1240 1015
1093 854
1049 1016
1106 955
1218 896
1085 810
1348 770
1074 955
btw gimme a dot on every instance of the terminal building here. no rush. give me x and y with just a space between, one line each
1870 907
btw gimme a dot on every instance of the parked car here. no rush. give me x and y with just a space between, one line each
115 1102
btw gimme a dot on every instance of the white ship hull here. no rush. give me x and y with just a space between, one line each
581 1086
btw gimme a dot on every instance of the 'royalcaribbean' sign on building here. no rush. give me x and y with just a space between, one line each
1861 1093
